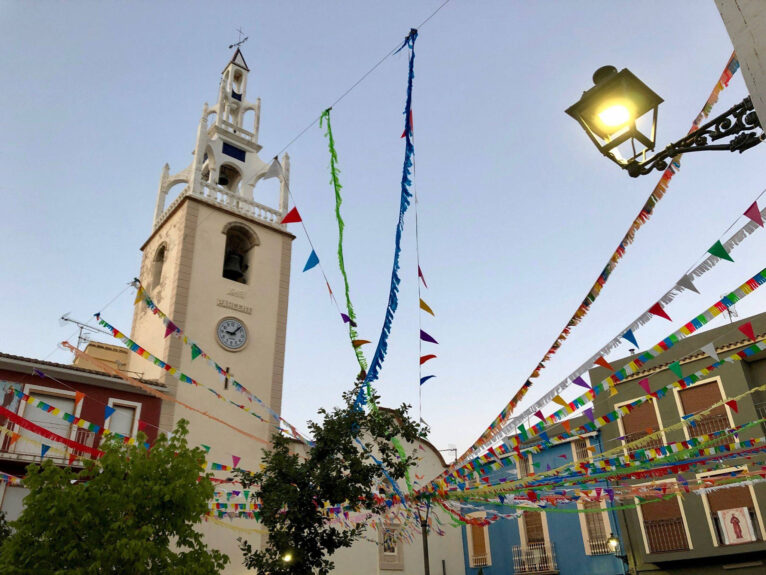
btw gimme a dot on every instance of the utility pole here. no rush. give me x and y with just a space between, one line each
424 534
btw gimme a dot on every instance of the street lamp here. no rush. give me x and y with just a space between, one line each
611 110
614 547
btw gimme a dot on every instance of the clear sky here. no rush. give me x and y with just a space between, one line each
518 211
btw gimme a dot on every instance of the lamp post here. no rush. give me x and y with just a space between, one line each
613 109
614 547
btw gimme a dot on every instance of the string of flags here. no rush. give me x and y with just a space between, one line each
643 216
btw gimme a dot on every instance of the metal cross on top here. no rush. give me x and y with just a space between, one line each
241 39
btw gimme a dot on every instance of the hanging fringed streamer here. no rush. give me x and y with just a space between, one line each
335 181
393 297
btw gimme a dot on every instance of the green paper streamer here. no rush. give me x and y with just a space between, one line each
334 171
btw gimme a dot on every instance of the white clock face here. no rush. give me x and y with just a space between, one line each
232 333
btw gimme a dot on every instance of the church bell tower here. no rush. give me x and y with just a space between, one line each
218 263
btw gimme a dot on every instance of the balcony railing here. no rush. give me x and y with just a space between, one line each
599 546
652 443
480 560
710 424
534 558
664 535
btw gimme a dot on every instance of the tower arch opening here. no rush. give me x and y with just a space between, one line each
158 262
240 240
229 177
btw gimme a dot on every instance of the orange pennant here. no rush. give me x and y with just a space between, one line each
78 397
603 363
567 425
359 342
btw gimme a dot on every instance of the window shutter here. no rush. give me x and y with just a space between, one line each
699 397
533 523
640 419
729 498
479 546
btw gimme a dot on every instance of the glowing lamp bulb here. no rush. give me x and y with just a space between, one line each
614 116
287 557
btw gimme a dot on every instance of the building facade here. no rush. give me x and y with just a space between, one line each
545 542
42 399
693 534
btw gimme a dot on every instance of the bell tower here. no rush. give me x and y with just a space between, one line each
217 261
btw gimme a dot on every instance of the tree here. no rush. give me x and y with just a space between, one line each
132 511
292 487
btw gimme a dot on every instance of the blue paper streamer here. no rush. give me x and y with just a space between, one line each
393 294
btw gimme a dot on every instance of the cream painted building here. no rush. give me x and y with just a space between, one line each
217 262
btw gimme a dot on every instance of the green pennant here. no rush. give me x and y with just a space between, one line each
675 367
719 251
195 351
205 447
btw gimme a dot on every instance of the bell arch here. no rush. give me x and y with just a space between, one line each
240 240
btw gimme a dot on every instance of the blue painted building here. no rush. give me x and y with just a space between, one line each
549 542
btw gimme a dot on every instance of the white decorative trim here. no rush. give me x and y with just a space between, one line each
469 540
680 406
125 403
657 415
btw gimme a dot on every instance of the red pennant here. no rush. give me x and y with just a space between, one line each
604 363
142 425
72 457
644 383
657 310
235 459
411 125
733 404
425 358
292 217
747 329
539 414
422 278
754 214
170 328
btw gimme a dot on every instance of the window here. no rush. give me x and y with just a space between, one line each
533 527
239 243
640 422
698 398
580 449
595 528
731 513
62 400
13 501
664 526
478 543
524 465
125 418
536 553
390 555
158 264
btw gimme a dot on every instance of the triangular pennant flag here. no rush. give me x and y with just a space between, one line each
195 351
733 404
425 358
686 283
581 382
589 413
44 449
142 425
108 411
346 319
539 414
604 363
675 367
292 217
235 459
567 425
274 171
78 397
561 401
709 349
425 379
422 277
754 214
359 342
205 447
170 328
628 335
644 383
72 458
424 307
657 310
14 438
405 130
747 329
312 261
719 251
425 337
139 295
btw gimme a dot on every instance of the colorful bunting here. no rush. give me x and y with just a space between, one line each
589 414
170 328
709 350
312 262
78 397
719 251
292 217
235 460
747 329
108 411
686 283
560 400
675 367
657 310
644 383
44 449
733 405
604 363
424 307
628 335
195 351
581 382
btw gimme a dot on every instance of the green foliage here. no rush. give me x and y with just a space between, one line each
132 511
293 488
5 529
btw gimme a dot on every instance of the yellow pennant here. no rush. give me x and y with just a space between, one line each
139 295
561 401
424 307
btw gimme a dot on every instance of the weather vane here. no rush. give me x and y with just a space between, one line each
241 39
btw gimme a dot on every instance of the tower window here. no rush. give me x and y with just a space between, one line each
228 177
236 261
158 264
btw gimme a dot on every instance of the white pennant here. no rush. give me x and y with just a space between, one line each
709 349
686 282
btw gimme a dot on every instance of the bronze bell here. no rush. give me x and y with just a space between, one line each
234 267
223 180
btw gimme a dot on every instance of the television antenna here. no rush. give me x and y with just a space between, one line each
85 330
730 311
241 39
